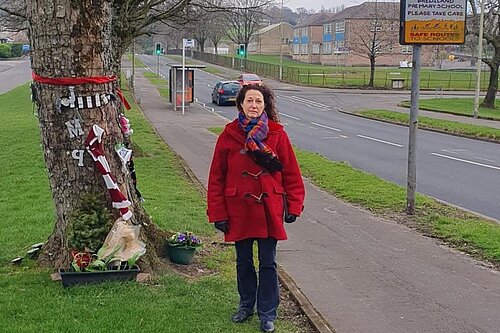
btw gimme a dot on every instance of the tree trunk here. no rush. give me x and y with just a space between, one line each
489 99
72 39
372 70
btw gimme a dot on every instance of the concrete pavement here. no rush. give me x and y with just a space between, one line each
360 272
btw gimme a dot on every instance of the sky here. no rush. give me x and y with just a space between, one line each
316 4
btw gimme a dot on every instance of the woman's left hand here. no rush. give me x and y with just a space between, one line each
290 218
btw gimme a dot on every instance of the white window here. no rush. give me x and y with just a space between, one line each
327 29
406 49
304 32
327 48
340 26
296 33
315 48
295 48
303 49
339 45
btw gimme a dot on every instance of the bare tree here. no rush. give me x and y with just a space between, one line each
199 28
82 39
491 35
71 41
77 40
245 19
217 31
375 34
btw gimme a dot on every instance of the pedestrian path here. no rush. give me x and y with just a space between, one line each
362 273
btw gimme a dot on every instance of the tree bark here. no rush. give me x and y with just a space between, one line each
489 99
372 70
72 39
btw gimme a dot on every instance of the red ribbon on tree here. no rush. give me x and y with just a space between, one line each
73 81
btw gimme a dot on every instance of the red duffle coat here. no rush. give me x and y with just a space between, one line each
247 196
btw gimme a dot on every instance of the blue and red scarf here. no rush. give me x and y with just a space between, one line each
256 130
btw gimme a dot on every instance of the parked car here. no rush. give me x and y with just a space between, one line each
245 79
224 92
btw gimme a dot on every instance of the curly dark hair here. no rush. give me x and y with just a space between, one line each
270 106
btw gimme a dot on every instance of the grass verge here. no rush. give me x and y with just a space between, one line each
33 303
445 126
161 84
458 106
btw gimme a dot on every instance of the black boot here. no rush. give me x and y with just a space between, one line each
267 326
241 315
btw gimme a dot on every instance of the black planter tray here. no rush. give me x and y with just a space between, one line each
70 278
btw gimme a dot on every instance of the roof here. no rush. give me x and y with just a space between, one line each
366 10
14 36
316 19
270 27
369 10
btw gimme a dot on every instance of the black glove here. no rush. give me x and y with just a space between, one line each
290 218
222 226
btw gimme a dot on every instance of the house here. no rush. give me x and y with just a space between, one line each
8 36
222 48
349 36
267 40
308 36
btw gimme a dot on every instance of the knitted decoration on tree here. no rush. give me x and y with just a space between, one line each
93 143
125 126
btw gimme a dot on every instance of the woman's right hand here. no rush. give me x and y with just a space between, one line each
222 226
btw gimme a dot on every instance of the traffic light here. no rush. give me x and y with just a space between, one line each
241 50
158 48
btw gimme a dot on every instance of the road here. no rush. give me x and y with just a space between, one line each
13 73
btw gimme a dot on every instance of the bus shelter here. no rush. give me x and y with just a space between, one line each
175 85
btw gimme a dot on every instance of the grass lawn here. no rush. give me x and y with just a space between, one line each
459 106
31 302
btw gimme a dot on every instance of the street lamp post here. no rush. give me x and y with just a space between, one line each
132 78
479 56
281 43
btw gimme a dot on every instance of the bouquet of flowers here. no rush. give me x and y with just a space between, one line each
185 239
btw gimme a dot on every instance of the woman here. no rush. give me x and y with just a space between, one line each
254 184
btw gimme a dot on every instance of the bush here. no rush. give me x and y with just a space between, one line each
5 51
89 224
17 50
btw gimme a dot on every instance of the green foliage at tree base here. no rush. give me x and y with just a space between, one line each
89 224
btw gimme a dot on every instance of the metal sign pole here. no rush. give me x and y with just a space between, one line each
479 58
419 25
183 75
413 126
158 65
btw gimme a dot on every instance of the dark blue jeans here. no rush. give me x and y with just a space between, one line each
266 290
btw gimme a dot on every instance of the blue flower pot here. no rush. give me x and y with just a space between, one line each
179 255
